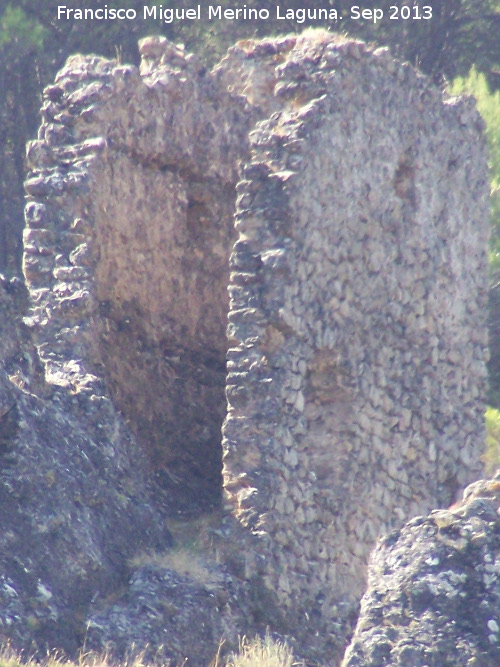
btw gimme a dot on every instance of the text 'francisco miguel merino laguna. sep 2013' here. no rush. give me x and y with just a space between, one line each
244 13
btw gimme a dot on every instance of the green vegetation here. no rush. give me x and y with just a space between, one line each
488 104
491 457
17 29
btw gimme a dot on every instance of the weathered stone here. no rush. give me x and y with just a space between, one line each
361 287
74 503
432 595
300 174
159 610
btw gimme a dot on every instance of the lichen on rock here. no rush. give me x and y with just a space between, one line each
433 596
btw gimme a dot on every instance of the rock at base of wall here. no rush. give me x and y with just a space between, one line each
433 593
163 616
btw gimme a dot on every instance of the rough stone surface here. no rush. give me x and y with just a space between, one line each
433 593
328 207
129 216
74 497
163 616
356 371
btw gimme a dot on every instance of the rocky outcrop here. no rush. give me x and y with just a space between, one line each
164 616
433 593
74 497
327 207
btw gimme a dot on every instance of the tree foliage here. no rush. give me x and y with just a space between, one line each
17 29
21 41
460 34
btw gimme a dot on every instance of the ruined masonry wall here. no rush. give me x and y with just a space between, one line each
356 371
129 229
348 201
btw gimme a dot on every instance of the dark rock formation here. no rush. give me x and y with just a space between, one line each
433 593
74 498
162 616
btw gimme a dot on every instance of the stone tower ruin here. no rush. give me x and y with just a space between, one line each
324 206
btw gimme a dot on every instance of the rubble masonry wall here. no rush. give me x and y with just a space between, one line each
356 370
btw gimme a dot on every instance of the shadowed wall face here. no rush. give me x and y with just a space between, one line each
161 282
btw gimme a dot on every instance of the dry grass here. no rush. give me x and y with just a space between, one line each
194 554
265 652
257 652
181 560
8 658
